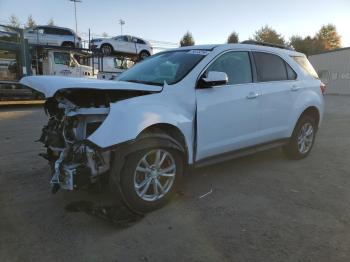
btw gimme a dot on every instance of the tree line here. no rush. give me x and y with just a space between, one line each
327 38
30 23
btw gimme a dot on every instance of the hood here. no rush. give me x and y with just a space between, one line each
49 85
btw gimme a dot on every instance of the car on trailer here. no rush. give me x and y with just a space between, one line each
124 45
53 36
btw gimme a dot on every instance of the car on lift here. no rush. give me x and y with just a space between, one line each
190 106
53 35
124 45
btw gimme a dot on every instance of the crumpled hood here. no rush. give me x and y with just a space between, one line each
49 85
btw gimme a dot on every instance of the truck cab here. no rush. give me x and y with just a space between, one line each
65 63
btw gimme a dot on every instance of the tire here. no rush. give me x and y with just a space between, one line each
145 199
143 55
68 44
304 132
106 49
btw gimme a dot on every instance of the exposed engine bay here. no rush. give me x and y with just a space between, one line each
75 114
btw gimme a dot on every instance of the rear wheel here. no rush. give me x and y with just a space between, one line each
106 49
303 138
144 55
150 177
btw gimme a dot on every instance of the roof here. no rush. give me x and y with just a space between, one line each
53 26
240 46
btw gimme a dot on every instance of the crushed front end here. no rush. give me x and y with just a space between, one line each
74 161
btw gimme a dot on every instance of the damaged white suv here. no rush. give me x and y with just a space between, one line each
189 106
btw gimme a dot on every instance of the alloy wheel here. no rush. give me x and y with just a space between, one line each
154 175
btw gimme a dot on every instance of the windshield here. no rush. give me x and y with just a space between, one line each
170 67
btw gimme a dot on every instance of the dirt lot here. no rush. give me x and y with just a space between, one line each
262 207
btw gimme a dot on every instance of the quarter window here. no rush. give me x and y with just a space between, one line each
291 73
270 67
236 65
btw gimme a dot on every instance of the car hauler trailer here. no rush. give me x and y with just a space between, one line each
19 59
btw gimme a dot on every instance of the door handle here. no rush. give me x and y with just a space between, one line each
252 95
294 88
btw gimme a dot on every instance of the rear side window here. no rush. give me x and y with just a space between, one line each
306 66
236 65
270 67
140 41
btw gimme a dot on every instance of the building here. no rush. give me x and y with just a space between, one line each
333 67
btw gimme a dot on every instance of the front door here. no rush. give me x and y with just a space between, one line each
228 116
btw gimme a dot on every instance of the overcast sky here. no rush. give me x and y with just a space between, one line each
210 21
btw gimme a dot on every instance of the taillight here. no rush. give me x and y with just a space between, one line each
323 88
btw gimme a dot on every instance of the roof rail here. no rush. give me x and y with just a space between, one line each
253 42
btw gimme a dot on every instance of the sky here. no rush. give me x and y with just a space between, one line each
209 21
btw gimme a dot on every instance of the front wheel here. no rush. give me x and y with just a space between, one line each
150 177
303 138
106 49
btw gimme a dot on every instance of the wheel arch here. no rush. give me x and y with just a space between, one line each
170 130
145 50
105 44
64 43
313 112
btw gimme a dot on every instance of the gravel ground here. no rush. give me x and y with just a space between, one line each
262 207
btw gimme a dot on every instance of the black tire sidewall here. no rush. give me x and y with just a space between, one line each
127 181
142 55
103 48
292 149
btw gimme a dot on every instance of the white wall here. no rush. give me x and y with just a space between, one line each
334 70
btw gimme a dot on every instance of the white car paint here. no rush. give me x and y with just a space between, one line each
215 120
52 35
124 44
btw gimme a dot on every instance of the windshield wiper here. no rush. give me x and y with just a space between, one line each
144 82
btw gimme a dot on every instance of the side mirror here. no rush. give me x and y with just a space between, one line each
214 78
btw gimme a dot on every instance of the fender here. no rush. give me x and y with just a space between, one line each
128 118
307 98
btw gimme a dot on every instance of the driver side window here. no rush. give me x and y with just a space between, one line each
236 65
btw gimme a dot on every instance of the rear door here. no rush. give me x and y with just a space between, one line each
228 116
124 44
277 81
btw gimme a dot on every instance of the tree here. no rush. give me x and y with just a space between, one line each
51 22
14 22
329 37
268 35
187 39
30 22
307 45
233 38
104 34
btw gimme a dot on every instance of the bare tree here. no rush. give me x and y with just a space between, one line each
51 22
14 22
30 22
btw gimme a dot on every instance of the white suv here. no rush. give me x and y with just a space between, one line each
191 106
123 44
53 35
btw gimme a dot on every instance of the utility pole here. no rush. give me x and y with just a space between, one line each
75 14
121 22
